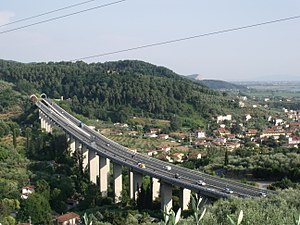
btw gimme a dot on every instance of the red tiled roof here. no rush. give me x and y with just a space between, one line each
295 138
252 131
295 124
67 217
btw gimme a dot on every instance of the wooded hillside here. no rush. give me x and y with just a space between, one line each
114 89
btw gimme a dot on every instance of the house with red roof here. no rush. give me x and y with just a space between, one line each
70 218
295 140
163 136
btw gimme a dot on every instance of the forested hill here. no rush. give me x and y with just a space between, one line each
114 90
223 85
217 84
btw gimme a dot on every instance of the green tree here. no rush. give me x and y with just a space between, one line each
28 133
14 138
37 208
283 184
226 160
8 205
175 123
239 220
43 188
57 201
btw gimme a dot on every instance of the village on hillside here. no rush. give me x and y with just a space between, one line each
224 132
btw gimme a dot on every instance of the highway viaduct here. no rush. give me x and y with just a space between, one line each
99 152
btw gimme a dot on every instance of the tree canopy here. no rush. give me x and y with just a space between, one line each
117 89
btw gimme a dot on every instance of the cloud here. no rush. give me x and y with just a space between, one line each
5 17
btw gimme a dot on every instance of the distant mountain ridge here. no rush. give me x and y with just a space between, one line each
216 84
194 77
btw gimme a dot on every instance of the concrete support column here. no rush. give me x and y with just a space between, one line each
68 137
155 188
108 170
108 163
166 196
104 171
78 145
85 155
137 184
41 117
50 126
93 166
72 145
43 123
46 125
185 196
117 170
131 190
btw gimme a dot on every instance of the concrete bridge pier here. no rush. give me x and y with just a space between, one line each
185 197
51 125
42 119
68 137
155 185
117 174
135 184
104 172
165 196
85 155
93 163
48 124
78 146
131 191
72 145
43 123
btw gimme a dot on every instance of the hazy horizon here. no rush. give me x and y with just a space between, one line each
267 78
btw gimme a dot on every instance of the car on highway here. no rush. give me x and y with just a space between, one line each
107 144
201 182
141 165
228 190
262 194
93 144
177 176
167 167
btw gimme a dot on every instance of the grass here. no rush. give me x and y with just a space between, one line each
140 143
154 122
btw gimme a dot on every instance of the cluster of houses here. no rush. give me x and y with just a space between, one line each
287 128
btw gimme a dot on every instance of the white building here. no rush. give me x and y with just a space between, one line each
200 134
248 117
26 191
222 118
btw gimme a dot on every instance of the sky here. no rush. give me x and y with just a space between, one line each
270 52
